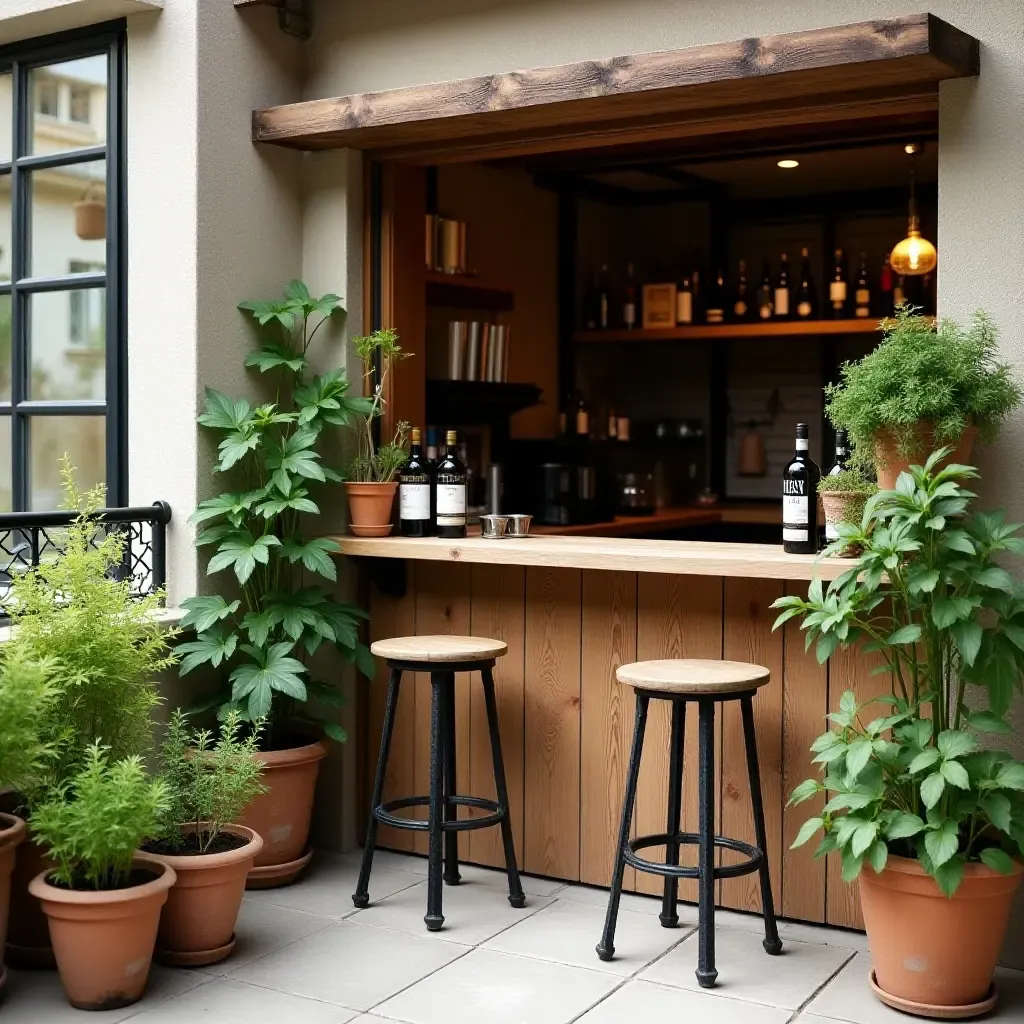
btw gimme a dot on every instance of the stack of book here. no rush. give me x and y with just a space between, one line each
446 244
477 351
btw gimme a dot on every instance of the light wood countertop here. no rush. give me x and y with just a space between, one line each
679 557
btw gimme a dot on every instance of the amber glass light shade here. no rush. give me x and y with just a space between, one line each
914 255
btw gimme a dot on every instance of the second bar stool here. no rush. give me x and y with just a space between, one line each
442 657
706 683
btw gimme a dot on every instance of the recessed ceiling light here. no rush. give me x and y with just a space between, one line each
789 164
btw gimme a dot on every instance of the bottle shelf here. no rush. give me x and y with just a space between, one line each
703 332
462 292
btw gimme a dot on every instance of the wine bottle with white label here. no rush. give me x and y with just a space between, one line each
414 492
783 290
450 486
838 288
800 499
841 463
862 296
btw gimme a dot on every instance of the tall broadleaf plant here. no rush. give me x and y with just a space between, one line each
269 618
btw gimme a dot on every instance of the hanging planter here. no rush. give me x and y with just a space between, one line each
91 214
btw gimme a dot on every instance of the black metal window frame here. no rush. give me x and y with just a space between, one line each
19 60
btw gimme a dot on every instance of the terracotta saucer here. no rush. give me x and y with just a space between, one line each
273 876
201 958
936 1012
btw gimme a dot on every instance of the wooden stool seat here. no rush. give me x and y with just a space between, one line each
439 649
698 677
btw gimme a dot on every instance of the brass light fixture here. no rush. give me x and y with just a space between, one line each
915 255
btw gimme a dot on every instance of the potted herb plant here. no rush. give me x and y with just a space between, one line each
103 897
210 783
926 384
268 615
927 817
844 497
373 474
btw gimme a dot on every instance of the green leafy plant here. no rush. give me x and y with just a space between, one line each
938 372
928 594
210 781
27 693
94 823
378 463
849 481
271 454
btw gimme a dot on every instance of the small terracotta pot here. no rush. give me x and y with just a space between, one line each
103 941
891 463
12 832
282 814
928 950
843 507
369 508
28 934
197 924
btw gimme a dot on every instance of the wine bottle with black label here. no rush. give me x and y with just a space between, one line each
451 491
414 518
783 290
800 499
841 463
838 288
806 295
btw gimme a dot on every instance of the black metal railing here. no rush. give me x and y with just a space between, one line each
29 538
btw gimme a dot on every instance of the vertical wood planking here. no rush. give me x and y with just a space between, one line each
606 718
805 704
499 610
678 617
552 722
748 637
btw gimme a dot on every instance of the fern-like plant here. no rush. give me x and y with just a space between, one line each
27 694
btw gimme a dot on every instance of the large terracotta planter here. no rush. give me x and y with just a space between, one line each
369 508
12 832
197 925
282 814
103 941
891 463
28 934
935 956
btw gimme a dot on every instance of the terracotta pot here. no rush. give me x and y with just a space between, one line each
929 951
843 507
103 941
282 814
891 463
12 832
197 925
369 508
28 934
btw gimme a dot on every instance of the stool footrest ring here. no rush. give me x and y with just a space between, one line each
383 813
752 853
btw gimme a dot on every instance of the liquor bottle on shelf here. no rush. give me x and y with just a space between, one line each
699 287
613 424
715 311
862 294
684 302
783 291
603 299
766 295
806 298
838 289
885 289
582 418
842 455
450 517
629 311
414 492
800 499
742 305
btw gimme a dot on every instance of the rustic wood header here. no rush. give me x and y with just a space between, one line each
898 56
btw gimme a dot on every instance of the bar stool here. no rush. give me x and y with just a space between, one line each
442 657
707 683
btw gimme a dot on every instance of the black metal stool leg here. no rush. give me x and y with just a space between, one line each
451 811
606 947
706 973
516 896
361 897
772 943
669 917
434 917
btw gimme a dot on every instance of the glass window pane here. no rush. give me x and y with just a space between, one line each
69 105
5 349
51 437
67 344
69 227
6 116
6 493
5 223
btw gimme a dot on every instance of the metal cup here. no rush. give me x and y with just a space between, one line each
494 526
519 525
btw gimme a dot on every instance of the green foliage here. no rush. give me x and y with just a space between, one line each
270 457
73 613
928 594
94 822
942 373
210 782
27 693
849 481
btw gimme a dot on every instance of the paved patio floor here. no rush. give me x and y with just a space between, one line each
304 956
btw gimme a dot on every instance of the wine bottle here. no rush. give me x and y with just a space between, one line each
629 303
450 517
742 307
800 499
885 289
603 298
806 299
582 418
715 311
782 290
837 288
766 295
414 492
684 302
862 296
842 455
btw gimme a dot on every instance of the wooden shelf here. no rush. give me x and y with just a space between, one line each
462 292
705 332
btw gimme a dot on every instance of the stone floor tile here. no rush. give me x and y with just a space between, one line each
636 902
796 930
644 1001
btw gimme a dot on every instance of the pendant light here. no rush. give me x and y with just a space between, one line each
914 255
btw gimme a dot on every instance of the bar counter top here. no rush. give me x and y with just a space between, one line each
673 557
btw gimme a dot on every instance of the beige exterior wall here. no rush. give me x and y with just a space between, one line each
23 19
